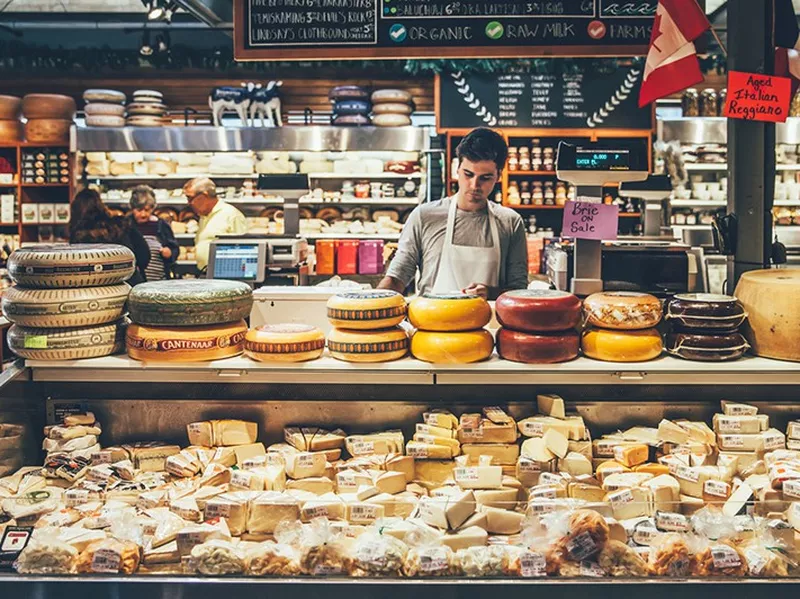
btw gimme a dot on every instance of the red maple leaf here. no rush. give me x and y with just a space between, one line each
657 33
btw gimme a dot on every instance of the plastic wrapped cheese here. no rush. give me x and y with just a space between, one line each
622 310
217 558
46 554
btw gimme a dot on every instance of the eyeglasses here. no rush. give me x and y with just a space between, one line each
195 196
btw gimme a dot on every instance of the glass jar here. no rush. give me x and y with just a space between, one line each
538 194
524 159
690 102
362 190
709 103
513 159
549 194
723 97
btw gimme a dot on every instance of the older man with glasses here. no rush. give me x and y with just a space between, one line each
216 217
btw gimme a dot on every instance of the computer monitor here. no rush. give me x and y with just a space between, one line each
239 260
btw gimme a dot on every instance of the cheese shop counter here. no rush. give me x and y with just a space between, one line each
665 370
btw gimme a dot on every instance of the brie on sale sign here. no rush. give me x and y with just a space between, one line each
755 97
587 220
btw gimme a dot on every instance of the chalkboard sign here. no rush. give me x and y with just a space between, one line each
589 99
391 29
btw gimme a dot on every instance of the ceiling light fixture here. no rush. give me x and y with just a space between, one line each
160 10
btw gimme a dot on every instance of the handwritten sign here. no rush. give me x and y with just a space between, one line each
755 97
585 220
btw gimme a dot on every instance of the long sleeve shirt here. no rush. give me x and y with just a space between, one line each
223 220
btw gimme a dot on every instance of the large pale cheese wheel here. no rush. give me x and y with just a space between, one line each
104 95
462 347
449 312
105 120
538 310
186 344
101 109
391 120
79 265
538 348
392 108
771 299
190 302
55 308
72 343
284 343
366 310
622 346
390 96
705 312
623 310
383 345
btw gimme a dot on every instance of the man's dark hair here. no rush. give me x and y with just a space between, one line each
483 144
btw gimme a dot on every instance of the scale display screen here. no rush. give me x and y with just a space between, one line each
602 160
236 261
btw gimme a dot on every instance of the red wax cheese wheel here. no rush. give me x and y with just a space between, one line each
538 310
548 348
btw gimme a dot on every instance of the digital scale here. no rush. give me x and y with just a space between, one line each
652 192
589 169
258 260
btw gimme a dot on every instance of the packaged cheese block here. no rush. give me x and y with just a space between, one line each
719 347
666 491
429 447
573 427
452 348
366 310
740 424
78 265
228 433
445 419
622 346
478 477
269 509
765 441
53 308
186 344
576 464
305 465
313 438
71 343
730 408
622 310
242 453
705 312
284 343
190 302
503 522
375 444
538 310
770 298
474 428
383 345
449 312
502 454
538 348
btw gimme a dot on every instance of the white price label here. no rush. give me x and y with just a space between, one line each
305 460
732 441
417 452
75 497
533 565
533 429
773 441
645 534
591 570
102 457
729 425
325 570
755 562
672 522
241 479
544 493
687 473
529 466
317 511
433 560
791 488
346 481
717 488
621 498
364 512
604 449
725 557
261 461
794 430
550 478
218 510
106 561
581 546
466 475
362 448
540 507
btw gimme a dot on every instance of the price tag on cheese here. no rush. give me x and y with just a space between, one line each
543 493
317 511
687 473
529 466
533 565
581 546
346 481
592 570
605 449
756 561
362 448
217 510
533 429
326 570
75 497
793 431
241 479
621 498
433 560
466 475
187 540
305 460
732 441
106 561
262 460
645 533
773 441
717 488
791 488
551 478
725 557
364 512
102 457
418 451
670 521
540 506
729 425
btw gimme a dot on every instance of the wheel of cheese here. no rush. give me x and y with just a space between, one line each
357 120
538 348
104 95
538 310
78 265
348 92
366 310
449 312
705 312
105 121
462 347
383 345
392 108
771 299
189 302
55 308
622 310
146 109
720 347
73 343
621 346
186 344
390 96
142 94
391 120
100 109
284 343
344 107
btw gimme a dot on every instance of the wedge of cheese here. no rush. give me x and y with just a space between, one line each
466 538
440 418
730 408
268 509
551 405
670 432
586 492
632 455
228 433
575 464
328 506
453 444
536 450
474 428
503 498
247 452
312 438
316 485
428 451
631 503
502 454
666 492
502 522
391 483
479 477
302 464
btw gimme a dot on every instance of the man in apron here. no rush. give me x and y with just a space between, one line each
465 243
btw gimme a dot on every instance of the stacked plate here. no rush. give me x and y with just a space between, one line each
147 109
104 108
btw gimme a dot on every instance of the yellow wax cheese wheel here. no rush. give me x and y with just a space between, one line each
284 343
55 308
366 310
622 346
449 312
383 345
71 343
186 344
452 348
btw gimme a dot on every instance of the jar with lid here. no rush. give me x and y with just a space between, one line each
538 193
561 193
549 194
709 103
547 159
363 190
513 159
794 110
388 190
524 159
375 191
723 97
690 102
513 194
536 147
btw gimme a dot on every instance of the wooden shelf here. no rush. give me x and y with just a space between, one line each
630 214
531 173
43 185
533 207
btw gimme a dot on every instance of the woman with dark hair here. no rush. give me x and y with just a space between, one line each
157 233
91 222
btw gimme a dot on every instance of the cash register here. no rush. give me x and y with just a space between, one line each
279 260
588 266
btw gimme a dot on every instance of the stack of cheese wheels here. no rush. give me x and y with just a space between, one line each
450 328
366 326
69 300
621 326
391 108
290 342
188 320
704 327
539 326
104 108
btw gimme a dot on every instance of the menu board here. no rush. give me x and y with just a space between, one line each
392 29
579 98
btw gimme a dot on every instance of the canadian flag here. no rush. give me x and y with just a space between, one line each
672 63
